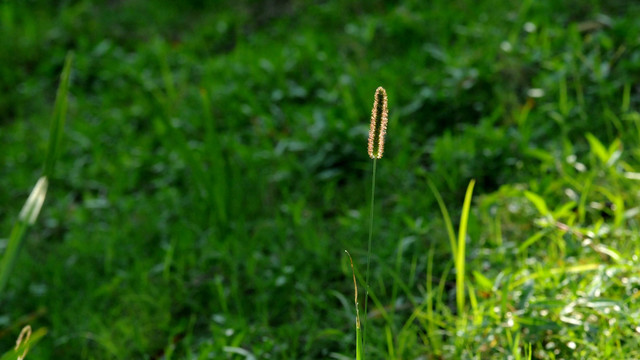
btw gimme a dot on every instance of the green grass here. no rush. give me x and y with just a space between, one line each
26 340
33 205
214 168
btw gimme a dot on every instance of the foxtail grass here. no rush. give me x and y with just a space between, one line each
33 205
377 133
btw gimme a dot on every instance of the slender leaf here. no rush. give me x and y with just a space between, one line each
445 217
597 148
462 235
538 202
59 116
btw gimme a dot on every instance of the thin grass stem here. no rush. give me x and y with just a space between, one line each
366 297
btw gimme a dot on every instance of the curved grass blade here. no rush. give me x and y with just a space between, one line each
59 116
446 218
462 235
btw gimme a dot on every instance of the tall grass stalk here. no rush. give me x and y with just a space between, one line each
377 132
373 191
32 206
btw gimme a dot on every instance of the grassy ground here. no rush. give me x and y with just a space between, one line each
214 169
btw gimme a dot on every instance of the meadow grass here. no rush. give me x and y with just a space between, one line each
213 172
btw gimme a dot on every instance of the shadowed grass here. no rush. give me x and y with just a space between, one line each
32 206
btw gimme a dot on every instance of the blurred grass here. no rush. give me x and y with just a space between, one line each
215 169
26 341
33 205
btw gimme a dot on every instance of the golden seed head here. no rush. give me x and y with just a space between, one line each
379 121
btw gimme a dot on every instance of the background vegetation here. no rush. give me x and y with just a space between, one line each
214 169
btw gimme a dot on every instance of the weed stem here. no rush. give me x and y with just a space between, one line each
366 297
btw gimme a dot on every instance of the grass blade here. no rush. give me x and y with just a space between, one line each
359 346
218 181
59 116
28 216
462 234
31 209
446 218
